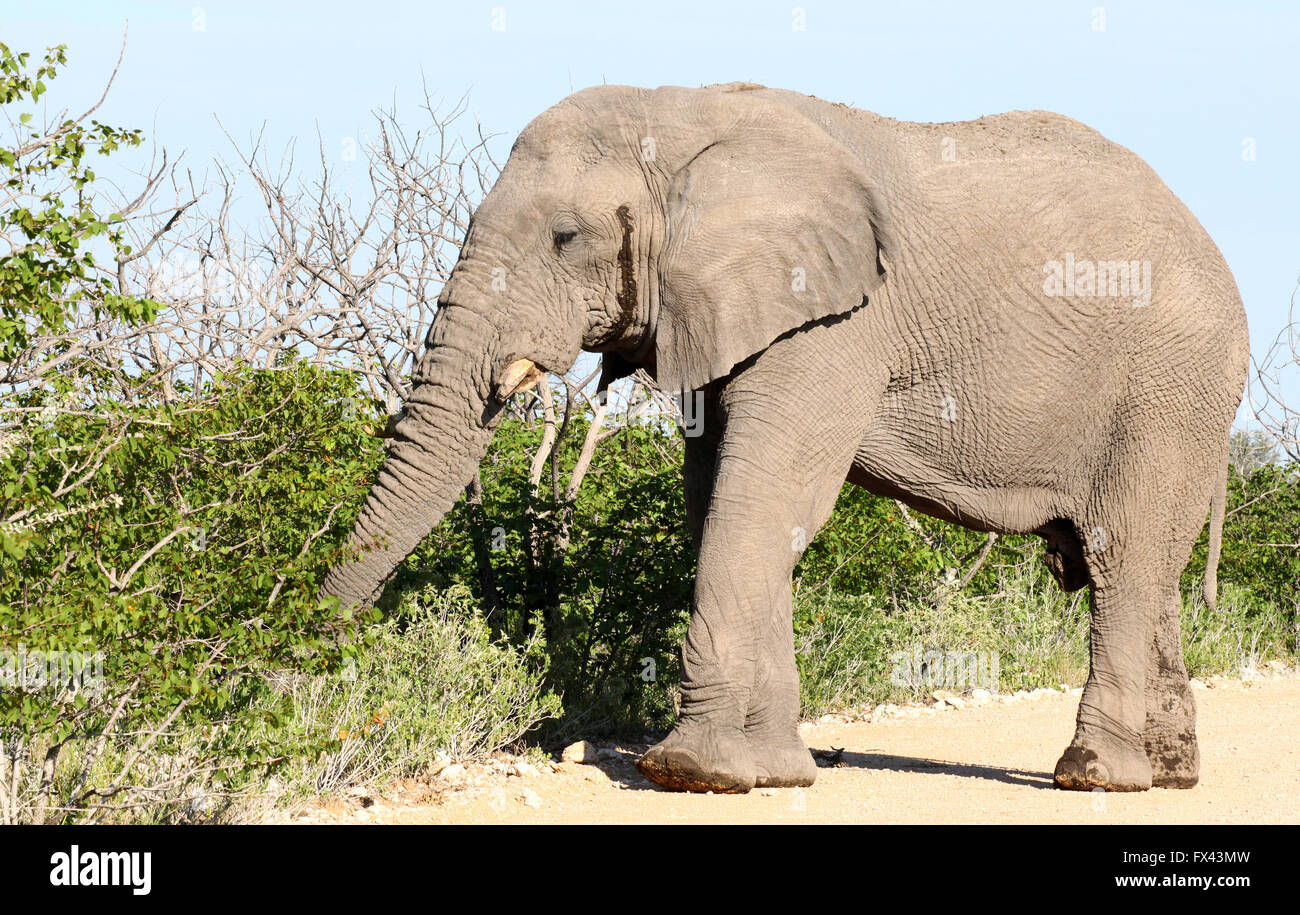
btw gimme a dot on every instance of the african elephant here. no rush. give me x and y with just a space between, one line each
1009 323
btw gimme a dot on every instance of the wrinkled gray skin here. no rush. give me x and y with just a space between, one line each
920 357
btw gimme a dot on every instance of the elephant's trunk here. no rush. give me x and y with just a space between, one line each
435 450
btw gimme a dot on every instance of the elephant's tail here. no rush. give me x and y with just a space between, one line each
1218 502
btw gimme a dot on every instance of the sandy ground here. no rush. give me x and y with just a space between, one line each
982 763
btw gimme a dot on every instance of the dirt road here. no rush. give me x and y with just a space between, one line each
982 763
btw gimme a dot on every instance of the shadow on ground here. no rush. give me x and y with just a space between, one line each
832 758
621 768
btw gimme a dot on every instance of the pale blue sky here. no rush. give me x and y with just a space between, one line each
1181 84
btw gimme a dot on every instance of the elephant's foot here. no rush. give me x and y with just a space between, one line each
783 760
1175 759
1102 761
697 757
1170 733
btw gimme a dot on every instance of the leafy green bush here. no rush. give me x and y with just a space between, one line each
431 683
842 648
180 544
159 546
860 650
1240 634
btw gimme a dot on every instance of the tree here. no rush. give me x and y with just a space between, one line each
50 220
1250 450
1279 368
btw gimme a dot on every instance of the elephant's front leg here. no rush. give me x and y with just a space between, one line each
740 692
781 462
708 750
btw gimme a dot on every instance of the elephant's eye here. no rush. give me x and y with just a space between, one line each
563 236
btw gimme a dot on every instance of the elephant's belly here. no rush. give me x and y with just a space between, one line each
1005 509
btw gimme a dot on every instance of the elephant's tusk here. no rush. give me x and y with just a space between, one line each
519 376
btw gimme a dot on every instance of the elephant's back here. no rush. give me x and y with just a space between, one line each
1014 135
1031 135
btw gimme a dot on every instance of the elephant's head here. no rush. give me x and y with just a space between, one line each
677 229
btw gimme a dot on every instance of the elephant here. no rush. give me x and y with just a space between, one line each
1009 323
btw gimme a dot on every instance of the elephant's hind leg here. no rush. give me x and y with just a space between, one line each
1168 731
1137 719
1169 735
1126 564
1107 751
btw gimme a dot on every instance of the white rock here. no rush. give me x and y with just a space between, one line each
980 695
453 772
440 762
530 798
956 701
522 769
607 753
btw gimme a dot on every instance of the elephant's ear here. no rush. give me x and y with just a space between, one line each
769 228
